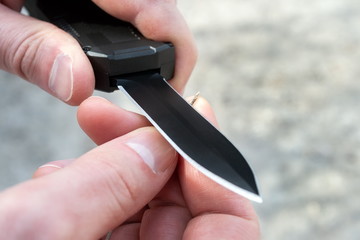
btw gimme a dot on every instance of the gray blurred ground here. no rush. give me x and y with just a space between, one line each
283 76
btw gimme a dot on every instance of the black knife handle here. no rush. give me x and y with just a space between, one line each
113 47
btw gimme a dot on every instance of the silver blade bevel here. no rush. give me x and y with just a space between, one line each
198 141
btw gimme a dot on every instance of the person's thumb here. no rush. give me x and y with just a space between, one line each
92 195
44 55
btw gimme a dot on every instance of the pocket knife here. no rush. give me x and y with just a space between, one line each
124 59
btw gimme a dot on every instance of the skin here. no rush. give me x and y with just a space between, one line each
112 186
29 47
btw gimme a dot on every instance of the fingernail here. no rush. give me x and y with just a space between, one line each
50 165
61 77
58 164
153 149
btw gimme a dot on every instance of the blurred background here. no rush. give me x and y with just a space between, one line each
283 77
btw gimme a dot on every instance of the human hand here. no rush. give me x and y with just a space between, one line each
50 58
111 188
190 205
91 194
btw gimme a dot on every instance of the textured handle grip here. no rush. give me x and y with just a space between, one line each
114 47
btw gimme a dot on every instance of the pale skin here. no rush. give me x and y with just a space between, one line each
114 186
111 187
29 47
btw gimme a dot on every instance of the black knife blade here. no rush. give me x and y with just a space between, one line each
123 59
198 141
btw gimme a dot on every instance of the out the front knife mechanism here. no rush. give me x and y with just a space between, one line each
114 47
123 59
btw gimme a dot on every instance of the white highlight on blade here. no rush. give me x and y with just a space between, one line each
228 185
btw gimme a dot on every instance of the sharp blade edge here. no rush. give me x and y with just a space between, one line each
197 140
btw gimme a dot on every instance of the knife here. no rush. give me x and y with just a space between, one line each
123 59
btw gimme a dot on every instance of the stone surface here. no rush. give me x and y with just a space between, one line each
283 78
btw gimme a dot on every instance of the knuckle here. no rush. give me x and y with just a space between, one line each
119 187
32 50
